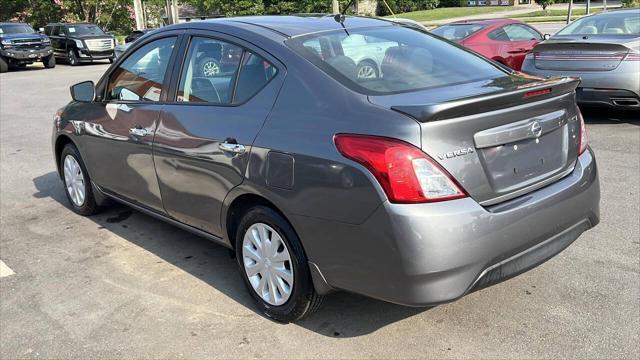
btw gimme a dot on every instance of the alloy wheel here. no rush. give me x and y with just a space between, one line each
210 68
74 180
367 71
267 263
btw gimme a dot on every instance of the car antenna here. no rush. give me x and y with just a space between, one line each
340 17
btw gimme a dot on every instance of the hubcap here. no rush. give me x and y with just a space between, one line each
267 264
74 180
210 68
366 72
72 58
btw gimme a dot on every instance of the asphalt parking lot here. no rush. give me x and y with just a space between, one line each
122 284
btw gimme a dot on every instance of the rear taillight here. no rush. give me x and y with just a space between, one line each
583 134
406 174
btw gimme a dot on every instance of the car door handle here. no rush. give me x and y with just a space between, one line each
517 51
232 148
139 132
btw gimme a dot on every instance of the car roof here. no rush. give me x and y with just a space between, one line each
295 25
70 24
13 23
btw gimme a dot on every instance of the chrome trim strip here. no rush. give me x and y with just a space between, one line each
521 130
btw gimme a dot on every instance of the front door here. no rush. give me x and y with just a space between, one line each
120 137
203 142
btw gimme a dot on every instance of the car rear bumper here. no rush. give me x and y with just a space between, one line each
426 254
27 55
619 88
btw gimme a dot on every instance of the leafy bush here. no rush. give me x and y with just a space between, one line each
545 3
402 6
631 3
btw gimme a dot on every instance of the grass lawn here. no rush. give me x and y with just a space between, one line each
446 13
551 13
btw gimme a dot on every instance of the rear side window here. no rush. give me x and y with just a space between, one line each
625 22
397 59
217 72
140 76
498 35
517 32
457 32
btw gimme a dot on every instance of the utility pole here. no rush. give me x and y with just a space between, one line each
335 7
604 5
174 11
569 12
138 12
588 6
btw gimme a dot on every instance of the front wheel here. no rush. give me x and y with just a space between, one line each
73 59
49 62
367 70
77 183
274 266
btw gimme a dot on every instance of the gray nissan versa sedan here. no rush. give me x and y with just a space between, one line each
442 175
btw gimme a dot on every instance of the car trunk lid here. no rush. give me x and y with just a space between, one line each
578 54
509 137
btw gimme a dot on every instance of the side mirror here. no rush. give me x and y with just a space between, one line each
547 36
84 91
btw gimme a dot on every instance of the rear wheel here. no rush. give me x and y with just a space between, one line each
77 183
274 266
4 66
73 59
209 67
49 62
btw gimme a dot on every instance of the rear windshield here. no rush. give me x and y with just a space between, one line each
85 30
387 60
458 31
614 23
16 29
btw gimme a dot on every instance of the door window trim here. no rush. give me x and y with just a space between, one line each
104 81
178 66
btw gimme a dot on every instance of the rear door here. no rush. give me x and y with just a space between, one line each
223 93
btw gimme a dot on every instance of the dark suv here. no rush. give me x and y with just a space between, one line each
20 46
79 43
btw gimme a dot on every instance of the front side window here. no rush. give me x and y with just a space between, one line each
408 60
217 72
613 23
457 32
140 76
517 32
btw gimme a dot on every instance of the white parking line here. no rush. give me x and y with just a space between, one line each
5 270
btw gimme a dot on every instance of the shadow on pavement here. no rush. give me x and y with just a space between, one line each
608 116
341 315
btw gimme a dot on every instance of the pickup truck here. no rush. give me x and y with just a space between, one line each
20 46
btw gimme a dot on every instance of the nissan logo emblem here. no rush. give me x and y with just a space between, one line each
536 129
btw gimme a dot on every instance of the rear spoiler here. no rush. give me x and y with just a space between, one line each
479 104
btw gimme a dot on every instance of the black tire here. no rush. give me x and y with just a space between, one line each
369 65
303 299
209 67
4 66
89 206
49 62
72 58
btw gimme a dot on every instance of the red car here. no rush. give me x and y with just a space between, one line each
504 40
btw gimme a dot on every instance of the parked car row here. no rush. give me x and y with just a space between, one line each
74 43
603 50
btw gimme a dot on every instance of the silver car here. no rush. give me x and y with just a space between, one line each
603 50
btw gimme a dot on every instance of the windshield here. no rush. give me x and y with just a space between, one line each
614 23
457 32
391 59
85 30
16 29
